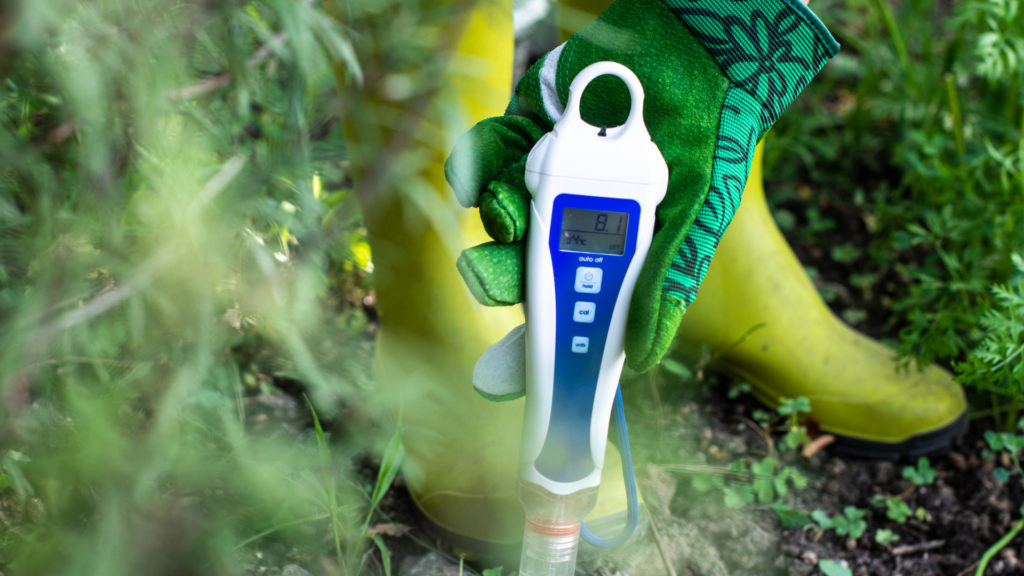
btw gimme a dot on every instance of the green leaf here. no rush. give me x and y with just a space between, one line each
763 489
702 481
833 568
841 525
738 495
389 465
1001 474
738 467
878 501
1013 442
922 514
857 529
385 558
492 571
676 368
798 479
821 519
780 484
853 513
791 440
761 416
765 467
897 510
321 442
738 389
5 482
790 519
995 441
923 474
790 406
886 537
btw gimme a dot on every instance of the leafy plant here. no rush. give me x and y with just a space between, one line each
833 568
790 518
898 510
1009 444
791 409
850 523
766 481
885 537
923 474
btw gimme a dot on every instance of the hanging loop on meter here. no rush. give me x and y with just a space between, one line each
633 127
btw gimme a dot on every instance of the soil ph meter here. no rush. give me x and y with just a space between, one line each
594 194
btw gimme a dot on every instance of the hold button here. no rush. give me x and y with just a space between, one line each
588 280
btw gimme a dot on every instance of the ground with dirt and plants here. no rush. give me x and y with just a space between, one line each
188 315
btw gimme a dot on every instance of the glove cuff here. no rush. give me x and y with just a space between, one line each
770 49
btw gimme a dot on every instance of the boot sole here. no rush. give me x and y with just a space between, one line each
912 447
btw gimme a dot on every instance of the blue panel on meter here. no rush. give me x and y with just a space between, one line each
598 233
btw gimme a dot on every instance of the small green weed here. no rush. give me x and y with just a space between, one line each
850 523
885 537
833 568
922 475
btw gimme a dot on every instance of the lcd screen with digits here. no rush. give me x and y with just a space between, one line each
594 231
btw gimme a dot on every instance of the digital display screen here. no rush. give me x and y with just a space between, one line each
594 231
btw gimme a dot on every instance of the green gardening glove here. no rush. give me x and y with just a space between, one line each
716 75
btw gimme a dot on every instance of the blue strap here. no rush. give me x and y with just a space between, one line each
632 507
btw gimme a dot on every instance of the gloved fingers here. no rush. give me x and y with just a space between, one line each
494 272
505 205
500 374
481 154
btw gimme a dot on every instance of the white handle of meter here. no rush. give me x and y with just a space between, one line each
591 223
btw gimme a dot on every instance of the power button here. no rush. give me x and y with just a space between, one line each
588 280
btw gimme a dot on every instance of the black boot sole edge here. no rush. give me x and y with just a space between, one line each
912 447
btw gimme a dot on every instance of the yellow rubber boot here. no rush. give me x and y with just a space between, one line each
852 382
855 390
462 451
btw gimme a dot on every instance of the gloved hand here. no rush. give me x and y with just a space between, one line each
716 75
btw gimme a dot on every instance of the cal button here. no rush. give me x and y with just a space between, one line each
584 312
588 280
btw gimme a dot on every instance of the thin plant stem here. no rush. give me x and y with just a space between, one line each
894 33
269 531
1011 418
1020 150
954 109
995 412
995 548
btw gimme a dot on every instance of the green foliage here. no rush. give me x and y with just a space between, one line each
885 537
738 389
789 518
179 243
765 482
850 523
792 408
996 364
833 568
1009 444
915 130
924 474
897 510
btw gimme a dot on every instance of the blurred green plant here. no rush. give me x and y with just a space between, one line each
833 568
850 523
996 365
181 253
913 141
885 537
